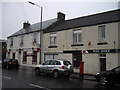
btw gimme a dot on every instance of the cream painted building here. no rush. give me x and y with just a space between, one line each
93 39
24 45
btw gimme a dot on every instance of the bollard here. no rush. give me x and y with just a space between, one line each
81 69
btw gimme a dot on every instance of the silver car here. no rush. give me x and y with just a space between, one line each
56 67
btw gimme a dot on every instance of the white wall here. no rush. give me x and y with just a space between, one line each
27 43
91 63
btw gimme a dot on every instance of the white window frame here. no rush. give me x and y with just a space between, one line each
22 40
76 39
11 41
35 37
101 33
51 56
53 39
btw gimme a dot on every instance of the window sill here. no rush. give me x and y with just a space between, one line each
52 47
102 43
77 45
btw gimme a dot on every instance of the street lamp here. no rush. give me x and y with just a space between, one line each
41 10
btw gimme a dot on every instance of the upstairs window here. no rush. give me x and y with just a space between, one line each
77 37
35 37
11 42
21 40
53 39
101 33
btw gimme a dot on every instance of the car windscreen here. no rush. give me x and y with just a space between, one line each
14 60
66 63
6 60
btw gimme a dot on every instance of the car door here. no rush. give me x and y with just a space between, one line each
45 65
5 62
51 66
117 74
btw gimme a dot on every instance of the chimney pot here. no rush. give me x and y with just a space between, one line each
26 25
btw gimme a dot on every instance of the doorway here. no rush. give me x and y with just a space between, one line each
102 58
77 57
13 56
34 57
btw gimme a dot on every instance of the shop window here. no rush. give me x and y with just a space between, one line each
51 56
24 57
34 57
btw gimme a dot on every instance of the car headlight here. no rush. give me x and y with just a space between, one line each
97 73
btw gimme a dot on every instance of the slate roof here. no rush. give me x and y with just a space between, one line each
56 25
35 27
100 18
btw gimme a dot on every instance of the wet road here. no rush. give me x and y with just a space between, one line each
27 79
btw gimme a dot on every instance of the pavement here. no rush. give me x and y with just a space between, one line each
83 76
74 75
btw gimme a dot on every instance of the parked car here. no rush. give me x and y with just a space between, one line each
10 64
56 67
109 77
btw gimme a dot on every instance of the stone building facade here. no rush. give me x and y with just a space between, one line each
93 39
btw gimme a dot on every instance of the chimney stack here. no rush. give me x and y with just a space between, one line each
60 16
26 25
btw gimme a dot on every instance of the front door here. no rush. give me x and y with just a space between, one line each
102 62
13 56
77 57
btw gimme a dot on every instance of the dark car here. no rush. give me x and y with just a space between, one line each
109 77
10 64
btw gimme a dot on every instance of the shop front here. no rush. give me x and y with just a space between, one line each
100 59
26 56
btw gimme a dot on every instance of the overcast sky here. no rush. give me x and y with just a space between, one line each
13 14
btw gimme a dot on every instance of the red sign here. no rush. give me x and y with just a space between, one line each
5 51
84 51
38 49
29 54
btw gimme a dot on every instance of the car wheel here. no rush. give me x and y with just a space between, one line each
37 71
55 74
103 80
